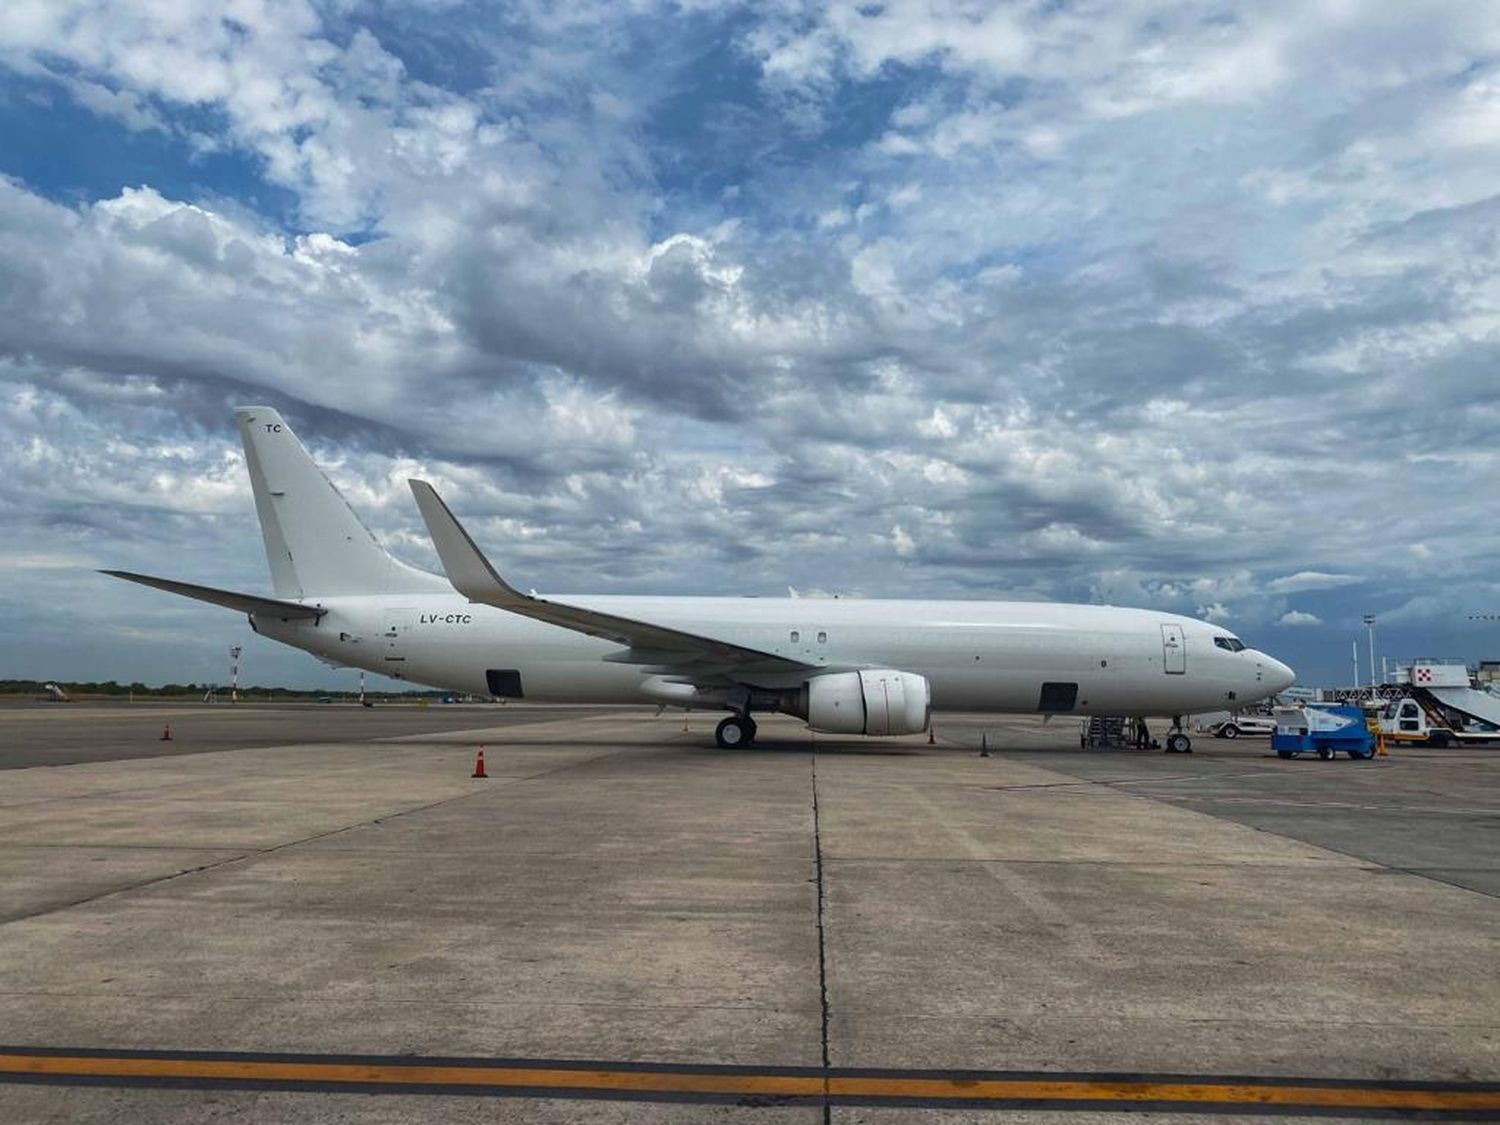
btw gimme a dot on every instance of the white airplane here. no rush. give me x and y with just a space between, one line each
845 666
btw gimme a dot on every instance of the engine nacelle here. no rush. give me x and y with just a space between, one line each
877 701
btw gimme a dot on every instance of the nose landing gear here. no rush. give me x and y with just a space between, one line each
1177 740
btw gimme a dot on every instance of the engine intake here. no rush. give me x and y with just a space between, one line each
874 701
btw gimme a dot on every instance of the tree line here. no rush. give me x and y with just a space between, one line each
79 689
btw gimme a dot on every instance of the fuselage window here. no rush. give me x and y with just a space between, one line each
796 636
822 637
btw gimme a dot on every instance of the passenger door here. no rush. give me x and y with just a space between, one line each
1173 650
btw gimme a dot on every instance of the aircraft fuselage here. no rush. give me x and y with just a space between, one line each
978 656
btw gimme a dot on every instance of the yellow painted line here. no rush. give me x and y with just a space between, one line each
1104 1090
863 1088
419 1074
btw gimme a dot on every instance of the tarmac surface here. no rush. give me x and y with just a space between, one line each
53 734
315 914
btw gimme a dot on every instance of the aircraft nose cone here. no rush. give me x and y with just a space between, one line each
1279 677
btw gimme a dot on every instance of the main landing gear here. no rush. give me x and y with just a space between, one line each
1177 740
735 732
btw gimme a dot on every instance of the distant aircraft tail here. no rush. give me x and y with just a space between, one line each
315 543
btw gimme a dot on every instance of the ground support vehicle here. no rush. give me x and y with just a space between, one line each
1240 725
1440 707
1326 731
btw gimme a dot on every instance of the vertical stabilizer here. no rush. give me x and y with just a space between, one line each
315 543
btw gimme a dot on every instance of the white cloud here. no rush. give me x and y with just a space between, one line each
904 544
1305 580
1041 300
1298 617
20 561
1216 612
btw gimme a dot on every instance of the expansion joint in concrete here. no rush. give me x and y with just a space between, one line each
822 936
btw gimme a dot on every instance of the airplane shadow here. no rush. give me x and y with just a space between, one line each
853 749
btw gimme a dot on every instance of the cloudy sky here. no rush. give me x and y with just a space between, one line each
1186 305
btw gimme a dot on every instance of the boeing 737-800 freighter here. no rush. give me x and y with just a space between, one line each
845 666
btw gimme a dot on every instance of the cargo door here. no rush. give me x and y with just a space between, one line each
1057 698
1173 650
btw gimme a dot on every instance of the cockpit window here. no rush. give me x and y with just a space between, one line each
1231 644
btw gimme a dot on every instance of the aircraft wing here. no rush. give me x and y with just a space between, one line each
245 603
661 648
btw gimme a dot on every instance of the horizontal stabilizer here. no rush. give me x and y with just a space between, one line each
245 603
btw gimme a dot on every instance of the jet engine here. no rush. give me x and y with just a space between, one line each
874 701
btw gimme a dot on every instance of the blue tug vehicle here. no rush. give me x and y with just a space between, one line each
1326 730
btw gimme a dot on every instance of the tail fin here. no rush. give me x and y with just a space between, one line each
315 543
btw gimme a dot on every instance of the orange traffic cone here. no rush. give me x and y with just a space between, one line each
479 765
931 737
166 733
984 745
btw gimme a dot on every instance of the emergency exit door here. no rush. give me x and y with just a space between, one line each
1173 650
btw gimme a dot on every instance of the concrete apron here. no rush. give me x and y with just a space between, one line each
621 891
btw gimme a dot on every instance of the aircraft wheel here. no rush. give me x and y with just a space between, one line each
1179 743
1229 731
753 730
733 733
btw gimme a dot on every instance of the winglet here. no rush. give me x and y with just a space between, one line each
465 564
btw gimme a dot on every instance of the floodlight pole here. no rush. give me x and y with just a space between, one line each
1370 626
234 673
